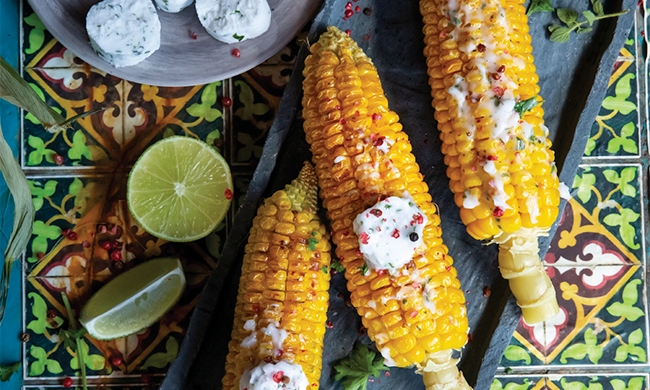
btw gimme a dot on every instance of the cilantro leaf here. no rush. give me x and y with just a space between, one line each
338 267
312 244
7 371
324 269
353 371
238 37
539 6
528 104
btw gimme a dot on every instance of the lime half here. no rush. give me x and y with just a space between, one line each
134 300
179 189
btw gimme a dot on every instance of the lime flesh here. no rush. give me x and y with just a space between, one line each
134 300
179 189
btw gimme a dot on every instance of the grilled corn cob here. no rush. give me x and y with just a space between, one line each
283 294
498 157
414 312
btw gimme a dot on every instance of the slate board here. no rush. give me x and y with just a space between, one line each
573 80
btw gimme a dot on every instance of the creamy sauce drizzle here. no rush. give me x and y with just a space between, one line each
487 72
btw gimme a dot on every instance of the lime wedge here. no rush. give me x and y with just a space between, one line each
134 300
179 189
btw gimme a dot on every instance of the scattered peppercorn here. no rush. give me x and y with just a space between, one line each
487 291
286 380
116 361
413 236
58 159
67 382
24 337
226 101
72 236
116 255
481 48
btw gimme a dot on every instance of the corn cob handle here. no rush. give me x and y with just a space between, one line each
283 293
361 155
498 157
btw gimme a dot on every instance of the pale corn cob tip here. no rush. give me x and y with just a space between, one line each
303 191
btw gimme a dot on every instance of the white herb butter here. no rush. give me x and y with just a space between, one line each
173 5
272 376
123 32
390 233
232 21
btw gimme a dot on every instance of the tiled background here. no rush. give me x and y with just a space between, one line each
597 258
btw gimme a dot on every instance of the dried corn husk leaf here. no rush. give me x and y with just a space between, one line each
23 215
17 91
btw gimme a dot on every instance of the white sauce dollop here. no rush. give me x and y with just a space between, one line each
390 233
268 376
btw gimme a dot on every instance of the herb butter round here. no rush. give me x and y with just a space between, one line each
123 32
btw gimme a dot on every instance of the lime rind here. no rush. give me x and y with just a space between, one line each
108 315
193 160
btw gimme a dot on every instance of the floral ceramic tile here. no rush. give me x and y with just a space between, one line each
519 382
606 325
252 118
615 133
610 196
599 382
524 350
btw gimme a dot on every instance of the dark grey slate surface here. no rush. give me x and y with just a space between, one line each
573 80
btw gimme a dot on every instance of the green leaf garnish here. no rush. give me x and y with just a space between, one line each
570 18
312 244
354 370
540 6
324 269
238 37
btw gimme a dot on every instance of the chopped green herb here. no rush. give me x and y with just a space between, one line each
521 144
405 301
388 206
527 105
364 269
238 37
324 269
455 21
312 244
338 267
314 233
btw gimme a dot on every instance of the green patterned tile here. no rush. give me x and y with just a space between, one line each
611 195
615 133
518 382
252 118
599 382
612 332
521 352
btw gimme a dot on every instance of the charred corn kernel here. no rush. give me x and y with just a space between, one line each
491 132
282 301
378 163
